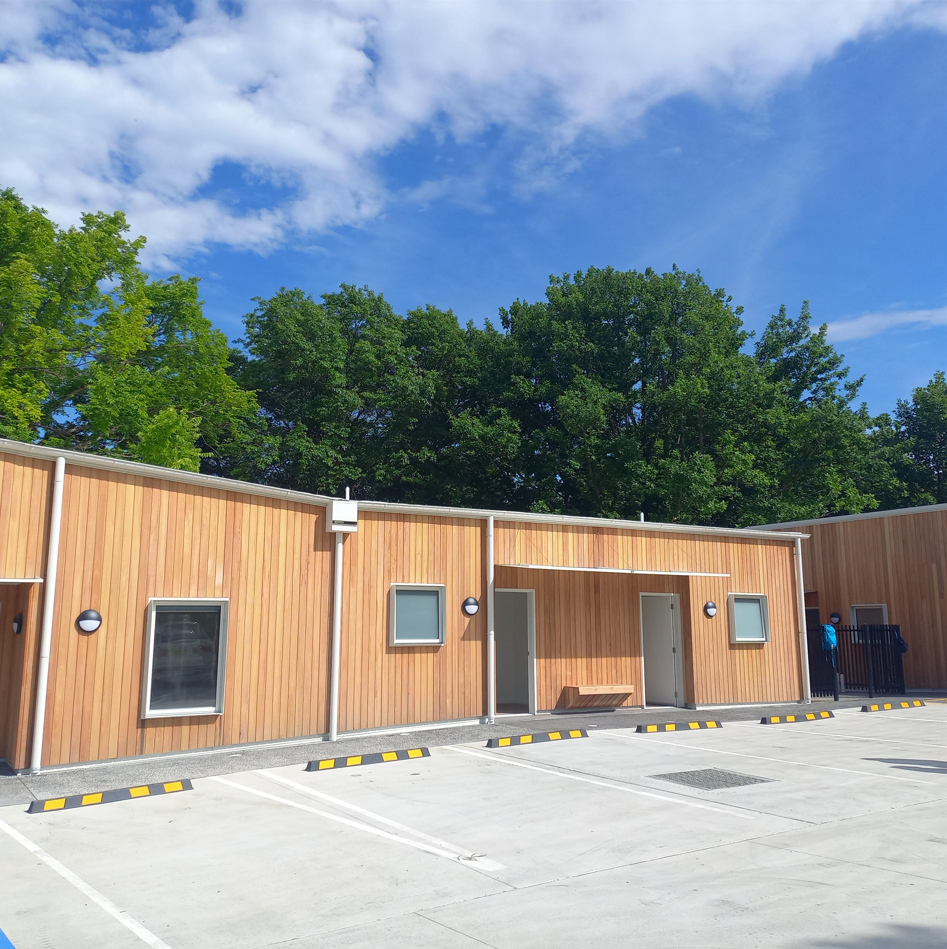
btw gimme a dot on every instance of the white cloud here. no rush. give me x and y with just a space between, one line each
871 324
307 96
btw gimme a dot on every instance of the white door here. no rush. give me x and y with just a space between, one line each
662 678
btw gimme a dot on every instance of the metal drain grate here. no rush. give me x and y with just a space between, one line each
711 779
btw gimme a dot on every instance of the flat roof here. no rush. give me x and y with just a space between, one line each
137 469
897 512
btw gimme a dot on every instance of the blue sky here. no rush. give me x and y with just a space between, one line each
457 154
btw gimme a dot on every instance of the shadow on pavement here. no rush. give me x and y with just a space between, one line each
924 766
893 937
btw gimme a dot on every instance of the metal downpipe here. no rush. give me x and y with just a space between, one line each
491 629
49 602
803 644
336 638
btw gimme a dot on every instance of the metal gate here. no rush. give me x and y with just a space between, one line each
868 658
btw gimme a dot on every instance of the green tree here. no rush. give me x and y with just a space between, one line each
913 444
96 356
619 392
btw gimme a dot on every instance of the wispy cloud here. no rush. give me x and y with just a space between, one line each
871 324
98 114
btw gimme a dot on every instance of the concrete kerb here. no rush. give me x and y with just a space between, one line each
645 729
378 757
108 797
537 737
891 706
789 719
22 788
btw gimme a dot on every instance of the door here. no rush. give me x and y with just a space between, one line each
663 679
514 635
14 599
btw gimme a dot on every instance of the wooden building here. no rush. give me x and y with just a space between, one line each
879 568
145 610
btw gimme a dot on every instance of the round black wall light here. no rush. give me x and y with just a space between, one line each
710 608
18 623
471 606
835 619
89 621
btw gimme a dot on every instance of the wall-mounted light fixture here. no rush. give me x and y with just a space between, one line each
18 623
89 621
835 619
471 606
710 608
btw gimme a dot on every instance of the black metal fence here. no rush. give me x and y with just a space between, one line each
868 660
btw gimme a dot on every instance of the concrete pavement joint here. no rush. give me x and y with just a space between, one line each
762 842
459 932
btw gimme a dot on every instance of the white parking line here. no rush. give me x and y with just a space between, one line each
735 812
465 855
473 861
740 754
905 718
145 935
822 733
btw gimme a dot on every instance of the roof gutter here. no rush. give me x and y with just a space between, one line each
212 482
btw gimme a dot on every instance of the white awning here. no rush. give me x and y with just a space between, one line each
656 573
21 579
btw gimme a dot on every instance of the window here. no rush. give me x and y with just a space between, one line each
871 614
187 645
417 615
749 618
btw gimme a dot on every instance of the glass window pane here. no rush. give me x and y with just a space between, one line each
869 616
748 616
417 615
184 658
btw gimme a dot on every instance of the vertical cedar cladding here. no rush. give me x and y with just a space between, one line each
716 671
898 559
125 539
383 684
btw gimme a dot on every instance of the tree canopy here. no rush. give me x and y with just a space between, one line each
620 392
96 356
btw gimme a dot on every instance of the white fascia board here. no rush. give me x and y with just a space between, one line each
21 579
841 518
136 469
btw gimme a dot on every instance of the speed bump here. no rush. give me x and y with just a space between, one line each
888 706
676 727
533 739
107 797
785 719
331 764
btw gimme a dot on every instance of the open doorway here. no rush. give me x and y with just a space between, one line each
515 633
661 645
14 603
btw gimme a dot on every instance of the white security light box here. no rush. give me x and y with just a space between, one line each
343 517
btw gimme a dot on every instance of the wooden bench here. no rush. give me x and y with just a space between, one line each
596 696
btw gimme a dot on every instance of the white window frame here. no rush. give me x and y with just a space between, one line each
441 590
184 602
731 609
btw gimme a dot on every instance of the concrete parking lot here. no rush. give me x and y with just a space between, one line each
840 842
